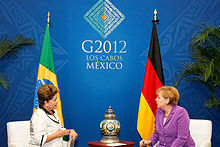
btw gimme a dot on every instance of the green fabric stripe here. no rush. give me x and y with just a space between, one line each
46 58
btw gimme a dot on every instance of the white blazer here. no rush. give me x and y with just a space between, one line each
42 124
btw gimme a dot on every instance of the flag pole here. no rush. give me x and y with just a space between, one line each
153 79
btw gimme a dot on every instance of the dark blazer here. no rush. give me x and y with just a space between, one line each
175 131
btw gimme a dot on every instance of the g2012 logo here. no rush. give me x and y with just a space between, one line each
104 17
98 54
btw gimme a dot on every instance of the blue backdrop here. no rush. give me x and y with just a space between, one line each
87 90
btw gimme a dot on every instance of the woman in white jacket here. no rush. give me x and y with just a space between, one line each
45 127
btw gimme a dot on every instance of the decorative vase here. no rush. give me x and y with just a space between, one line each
110 127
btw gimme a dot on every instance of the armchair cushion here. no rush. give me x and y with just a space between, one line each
18 133
201 132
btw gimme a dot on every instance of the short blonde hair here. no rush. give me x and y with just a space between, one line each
169 92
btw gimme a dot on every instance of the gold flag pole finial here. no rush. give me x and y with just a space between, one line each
155 20
48 17
155 15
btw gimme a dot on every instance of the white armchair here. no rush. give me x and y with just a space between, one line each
201 132
18 133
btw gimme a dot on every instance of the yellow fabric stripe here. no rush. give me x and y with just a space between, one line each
44 73
146 118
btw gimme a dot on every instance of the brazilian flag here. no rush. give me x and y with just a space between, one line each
46 72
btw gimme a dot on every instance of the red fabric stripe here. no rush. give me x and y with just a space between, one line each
150 85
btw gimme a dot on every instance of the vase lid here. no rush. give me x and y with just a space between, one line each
109 114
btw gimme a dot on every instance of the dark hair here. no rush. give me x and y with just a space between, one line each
46 93
169 92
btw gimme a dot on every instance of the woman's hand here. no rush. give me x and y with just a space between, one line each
60 133
73 135
145 142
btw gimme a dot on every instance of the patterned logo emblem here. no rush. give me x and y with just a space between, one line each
104 17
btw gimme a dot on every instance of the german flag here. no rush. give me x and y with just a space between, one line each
46 71
153 80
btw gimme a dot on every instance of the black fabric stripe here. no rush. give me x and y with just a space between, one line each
154 54
48 113
42 140
45 110
53 120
